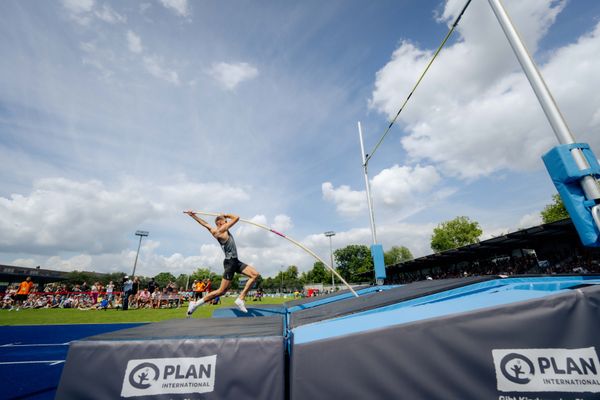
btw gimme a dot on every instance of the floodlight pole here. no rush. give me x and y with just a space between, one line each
590 186
141 234
329 234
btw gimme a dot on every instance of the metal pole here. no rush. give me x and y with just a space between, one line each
141 234
561 130
331 256
329 234
367 185
136 257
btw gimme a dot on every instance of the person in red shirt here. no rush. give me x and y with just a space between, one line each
23 291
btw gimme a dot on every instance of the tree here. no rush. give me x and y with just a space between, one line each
455 233
555 211
200 274
290 278
319 274
181 281
397 254
163 279
352 261
78 277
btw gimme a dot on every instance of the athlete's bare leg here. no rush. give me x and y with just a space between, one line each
225 283
252 275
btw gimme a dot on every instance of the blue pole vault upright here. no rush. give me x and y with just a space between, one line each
376 249
572 166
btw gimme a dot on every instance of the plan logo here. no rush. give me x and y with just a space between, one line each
516 368
169 375
547 370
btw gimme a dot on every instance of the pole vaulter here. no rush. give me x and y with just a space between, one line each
306 249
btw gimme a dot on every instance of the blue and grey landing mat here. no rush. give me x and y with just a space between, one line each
473 338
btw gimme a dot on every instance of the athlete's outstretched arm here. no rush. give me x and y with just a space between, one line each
199 220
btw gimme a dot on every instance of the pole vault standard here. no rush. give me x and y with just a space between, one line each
367 184
589 185
376 249
309 251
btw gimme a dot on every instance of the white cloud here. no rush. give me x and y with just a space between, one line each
346 200
398 191
179 7
209 197
529 220
134 42
153 65
395 186
107 14
79 10
60 214
231 75
475 112
84 11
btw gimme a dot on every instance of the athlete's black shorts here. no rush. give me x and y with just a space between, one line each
232 265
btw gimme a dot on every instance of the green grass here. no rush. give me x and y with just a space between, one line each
47 316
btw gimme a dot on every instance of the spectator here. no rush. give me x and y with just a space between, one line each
9 299
55 302
135 287
118 301
23 291
152 286
109 291
199 289
94 292
127 288
156 298
144 299
207 285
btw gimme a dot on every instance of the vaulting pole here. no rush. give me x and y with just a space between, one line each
309 251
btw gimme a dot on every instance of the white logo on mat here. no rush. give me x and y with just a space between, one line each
169 375
547 370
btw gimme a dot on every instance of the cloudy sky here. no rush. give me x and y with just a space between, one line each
117 116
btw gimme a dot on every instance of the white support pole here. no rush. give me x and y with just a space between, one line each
367 185
561 130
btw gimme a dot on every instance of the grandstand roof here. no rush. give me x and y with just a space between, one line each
536 238
11 273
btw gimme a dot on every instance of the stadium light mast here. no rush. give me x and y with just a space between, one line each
329 234
141 234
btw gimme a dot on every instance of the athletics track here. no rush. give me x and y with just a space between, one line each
32 356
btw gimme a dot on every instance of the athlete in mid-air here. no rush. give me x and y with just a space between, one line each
231 263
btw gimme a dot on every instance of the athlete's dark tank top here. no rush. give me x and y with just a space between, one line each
229 247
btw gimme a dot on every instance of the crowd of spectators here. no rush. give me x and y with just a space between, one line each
504 266
96 296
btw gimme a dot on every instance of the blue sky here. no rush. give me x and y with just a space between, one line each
117 116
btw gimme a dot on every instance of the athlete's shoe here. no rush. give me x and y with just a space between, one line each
240 304
192 307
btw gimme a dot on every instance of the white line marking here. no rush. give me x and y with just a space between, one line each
35 344
51 362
